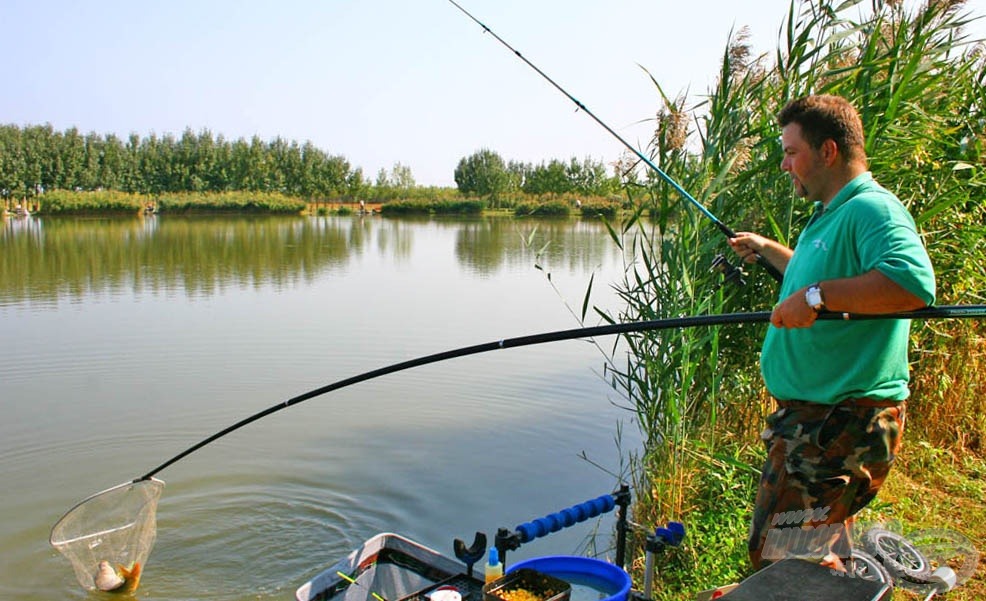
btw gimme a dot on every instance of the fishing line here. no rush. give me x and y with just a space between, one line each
725 229
948 311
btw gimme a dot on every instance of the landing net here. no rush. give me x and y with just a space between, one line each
116 528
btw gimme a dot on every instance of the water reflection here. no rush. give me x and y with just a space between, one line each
574 245
55 258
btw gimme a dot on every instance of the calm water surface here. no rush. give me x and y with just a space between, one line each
124 342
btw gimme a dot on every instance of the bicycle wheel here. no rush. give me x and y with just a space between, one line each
865 566
899 556
947 548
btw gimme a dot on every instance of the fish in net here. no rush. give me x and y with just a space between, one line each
108 536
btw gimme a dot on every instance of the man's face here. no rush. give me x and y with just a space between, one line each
803 163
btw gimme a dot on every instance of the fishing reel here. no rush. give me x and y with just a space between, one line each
731 274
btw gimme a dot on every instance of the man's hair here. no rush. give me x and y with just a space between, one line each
827 117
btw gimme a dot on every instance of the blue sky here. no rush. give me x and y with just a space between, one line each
378 81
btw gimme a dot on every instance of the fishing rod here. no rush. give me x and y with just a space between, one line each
725 229
946 311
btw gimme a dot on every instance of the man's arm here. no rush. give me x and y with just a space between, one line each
869 293
748 245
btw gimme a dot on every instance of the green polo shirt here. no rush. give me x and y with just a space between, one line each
864 227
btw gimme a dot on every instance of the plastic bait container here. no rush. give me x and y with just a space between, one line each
611 582
526 584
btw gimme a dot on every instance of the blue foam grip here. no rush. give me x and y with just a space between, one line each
672 535
565 518
677 532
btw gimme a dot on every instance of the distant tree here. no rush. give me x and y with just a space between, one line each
382 190
12 163
91 165
132 179
113 163
484 174
356 185
401 177
185 163
516 174
556 177
334 173
548 179
285 163
219 165
257 166
382 179
38 143
69 160
589 177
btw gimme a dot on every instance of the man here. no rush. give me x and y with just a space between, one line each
840 386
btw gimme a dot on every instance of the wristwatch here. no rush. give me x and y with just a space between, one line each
814 298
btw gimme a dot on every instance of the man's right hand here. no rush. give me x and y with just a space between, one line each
750 247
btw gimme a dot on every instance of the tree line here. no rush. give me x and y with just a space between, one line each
36 158
485 173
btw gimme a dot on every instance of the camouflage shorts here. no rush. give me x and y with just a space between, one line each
824 463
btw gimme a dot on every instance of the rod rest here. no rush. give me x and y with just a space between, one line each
528 531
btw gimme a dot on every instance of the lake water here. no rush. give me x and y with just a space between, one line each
126 341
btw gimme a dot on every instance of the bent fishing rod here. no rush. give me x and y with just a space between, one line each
946 311
725 229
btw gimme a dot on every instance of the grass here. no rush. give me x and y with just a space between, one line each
716 518
933 489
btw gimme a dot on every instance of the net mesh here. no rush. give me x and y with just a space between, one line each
117 526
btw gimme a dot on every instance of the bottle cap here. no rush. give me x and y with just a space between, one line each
494 556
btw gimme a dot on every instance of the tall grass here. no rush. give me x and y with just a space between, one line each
919 85
226 202
64 202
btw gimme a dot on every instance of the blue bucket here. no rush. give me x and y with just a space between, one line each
596 574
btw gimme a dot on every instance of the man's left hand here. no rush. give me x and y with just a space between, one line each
793 312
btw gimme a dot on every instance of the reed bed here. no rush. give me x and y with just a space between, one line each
64 202
228 202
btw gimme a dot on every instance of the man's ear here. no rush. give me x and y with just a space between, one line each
830 151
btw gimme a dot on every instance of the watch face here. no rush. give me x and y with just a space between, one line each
813 296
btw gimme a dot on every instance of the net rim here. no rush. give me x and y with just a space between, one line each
51 535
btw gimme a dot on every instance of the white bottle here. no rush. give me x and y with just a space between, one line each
494 567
